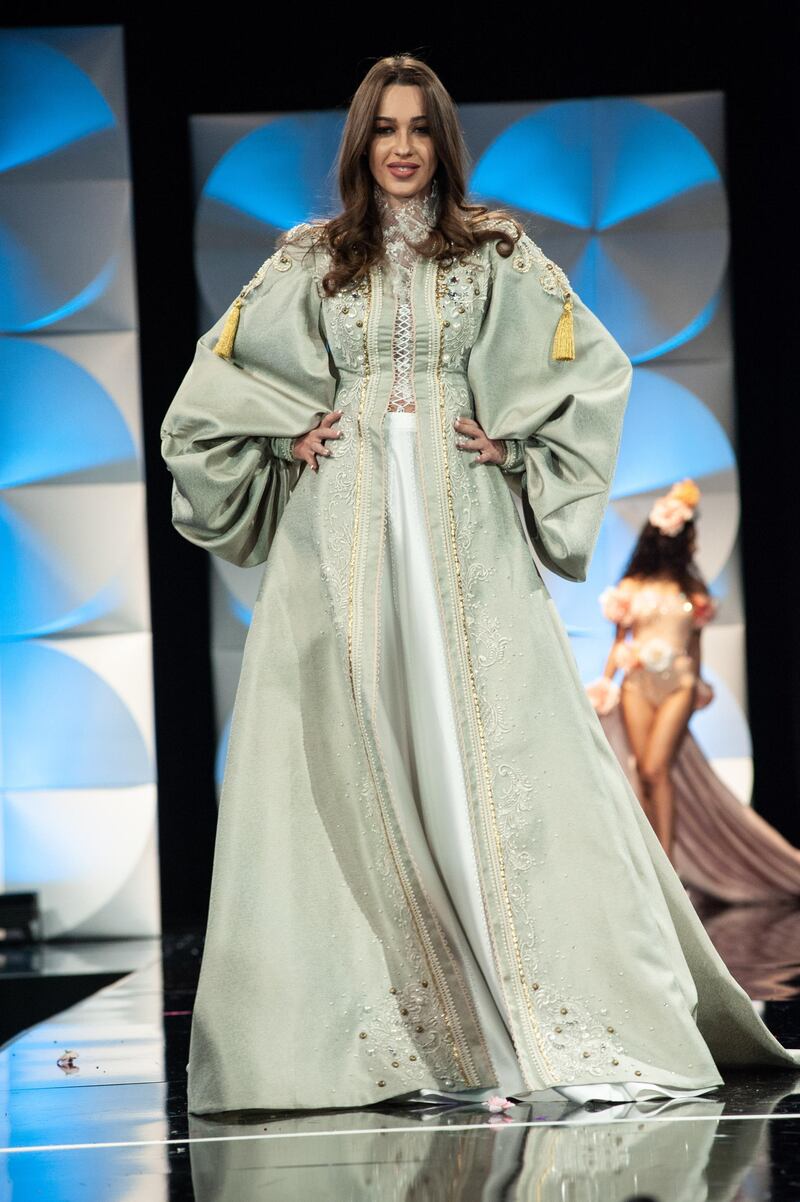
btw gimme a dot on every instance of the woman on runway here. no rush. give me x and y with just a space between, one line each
431 878
717 844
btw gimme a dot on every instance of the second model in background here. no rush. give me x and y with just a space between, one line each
717 844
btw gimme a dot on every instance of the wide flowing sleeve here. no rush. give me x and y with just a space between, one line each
260 377
545 371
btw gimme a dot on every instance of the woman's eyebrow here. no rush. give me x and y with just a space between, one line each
419 117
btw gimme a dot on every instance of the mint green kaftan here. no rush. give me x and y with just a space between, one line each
329 978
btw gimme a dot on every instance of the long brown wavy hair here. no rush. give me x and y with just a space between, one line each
353 238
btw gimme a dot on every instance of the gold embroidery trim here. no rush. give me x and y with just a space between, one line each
476 707
457 1039
357 504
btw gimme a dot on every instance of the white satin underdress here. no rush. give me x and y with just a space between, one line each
417 722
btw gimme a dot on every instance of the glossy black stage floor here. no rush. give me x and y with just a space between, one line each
111 1122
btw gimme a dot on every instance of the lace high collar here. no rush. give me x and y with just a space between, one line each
412 218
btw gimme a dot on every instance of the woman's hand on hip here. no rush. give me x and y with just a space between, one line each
307 446
490 450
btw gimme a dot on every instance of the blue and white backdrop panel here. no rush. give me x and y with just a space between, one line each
77 770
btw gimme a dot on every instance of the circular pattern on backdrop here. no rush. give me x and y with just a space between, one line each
60 561
50 111
64 726
266 182
629 202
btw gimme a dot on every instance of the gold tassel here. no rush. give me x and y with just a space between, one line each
564 337
224 347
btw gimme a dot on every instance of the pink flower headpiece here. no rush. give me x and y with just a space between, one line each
671 512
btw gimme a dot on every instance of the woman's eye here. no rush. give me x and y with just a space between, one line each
386 129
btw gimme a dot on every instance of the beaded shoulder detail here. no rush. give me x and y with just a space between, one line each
301 236
304 234
290 249
528 255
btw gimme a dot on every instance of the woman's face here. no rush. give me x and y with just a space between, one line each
400 135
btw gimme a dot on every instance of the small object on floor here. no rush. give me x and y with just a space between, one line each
497 1103
66 1061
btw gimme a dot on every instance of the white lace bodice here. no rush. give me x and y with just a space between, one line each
404 223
